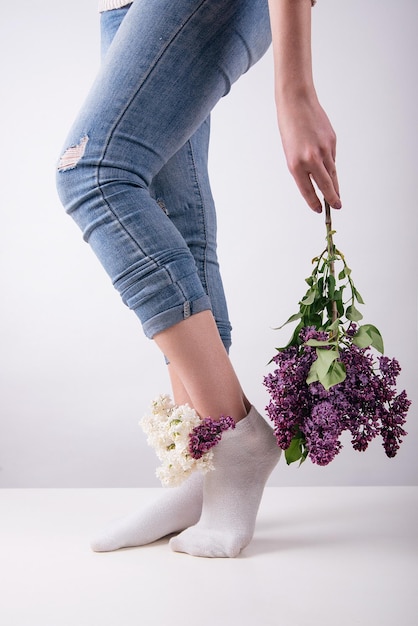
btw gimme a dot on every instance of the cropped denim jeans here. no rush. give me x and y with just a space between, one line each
134 170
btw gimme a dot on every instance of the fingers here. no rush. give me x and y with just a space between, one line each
332 171
327 181
325 177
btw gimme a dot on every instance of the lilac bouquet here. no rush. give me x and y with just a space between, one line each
328 379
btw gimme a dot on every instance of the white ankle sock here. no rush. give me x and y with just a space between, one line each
232 492
175 509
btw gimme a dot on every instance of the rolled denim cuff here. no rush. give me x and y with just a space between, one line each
173 316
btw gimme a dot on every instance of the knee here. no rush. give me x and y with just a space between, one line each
72 155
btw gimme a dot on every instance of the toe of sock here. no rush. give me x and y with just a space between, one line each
103 543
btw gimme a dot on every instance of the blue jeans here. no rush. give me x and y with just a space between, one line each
134 174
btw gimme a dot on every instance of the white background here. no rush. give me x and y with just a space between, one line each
76 372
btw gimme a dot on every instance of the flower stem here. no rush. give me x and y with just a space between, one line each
330 246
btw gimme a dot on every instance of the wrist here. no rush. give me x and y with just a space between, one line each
291 94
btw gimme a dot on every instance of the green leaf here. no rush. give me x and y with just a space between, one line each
320 367
309 298
368 335
362 339
292 318
336 374
358 296
338 294
377 339
295 336
341 275
334 326
304 456
312 376
319 304
353 314
295 451
326 369
331 287
318 342
294 340
312 319
324 361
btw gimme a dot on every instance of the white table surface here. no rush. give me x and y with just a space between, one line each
320 555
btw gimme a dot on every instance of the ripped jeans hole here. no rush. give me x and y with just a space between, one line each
72 155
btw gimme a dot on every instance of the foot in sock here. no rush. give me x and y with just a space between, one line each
177 508
232 492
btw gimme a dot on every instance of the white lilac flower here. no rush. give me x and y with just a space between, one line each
168 429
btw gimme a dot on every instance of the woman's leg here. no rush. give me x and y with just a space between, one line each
116 150
182 190
180 185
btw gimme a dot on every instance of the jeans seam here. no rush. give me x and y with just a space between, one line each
202 212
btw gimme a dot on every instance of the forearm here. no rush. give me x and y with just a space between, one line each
291 32
308 139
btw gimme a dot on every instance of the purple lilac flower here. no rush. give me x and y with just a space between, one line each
207 434
392 429
365 403
322 430
389 368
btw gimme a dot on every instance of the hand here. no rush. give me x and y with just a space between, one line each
309 144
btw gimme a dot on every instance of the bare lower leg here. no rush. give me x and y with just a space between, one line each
199 362
180 395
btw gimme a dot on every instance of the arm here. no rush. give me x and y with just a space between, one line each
308 139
